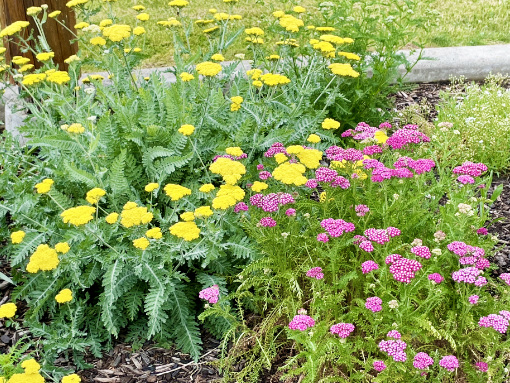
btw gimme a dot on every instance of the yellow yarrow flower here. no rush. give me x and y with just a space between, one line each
332 39
24 68
230 170
259 186
235 151
98 41
154 233
176 192
274 79
291 23
217 57
349 55
14 28
208 69
64 296
310 158
75 128
254 73
94 195
227 196
138 7
32 11
58 77
257 83
8 310
206 188
71 59
256 31
81 25
299 9
186 130
151 187
17 236
45 56
44 186
290 174
54 14
112 218
185 230
203 212
325 29
343 70
31 366
278 14
79 215
73 378
295 149
74 3
185 76
171 22
329 123
187 216
143 16
313 138
178 3
117 32
381 137
141 243
19 60
44 258
134 215
273 57
280 157
62 247
139 31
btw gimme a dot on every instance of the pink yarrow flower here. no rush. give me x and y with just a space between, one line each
482 231
449 362
315 272
342 329
393 334
422 360
301 322
240 206
505 277
290 212
210 294
473 299
374 304
436 278
322 237
394 348
260 167
421 251
267 222
361 210
366 246
482 366
496 321
379 365
264 175
368 266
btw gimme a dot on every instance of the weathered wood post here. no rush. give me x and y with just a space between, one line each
57 36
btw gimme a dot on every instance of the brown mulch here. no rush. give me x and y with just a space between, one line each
150 363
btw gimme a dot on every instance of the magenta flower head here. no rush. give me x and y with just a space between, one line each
374 304
497 322
342 329
322 237
393 231
465 179
379 365
241 206
437 278
264 175
394 348
482 366
315 272
422 360
260 167
290 212
267 222
421 251
361 210
505 277
473 299
368 266
301 322
449 362
210 294
482 231
366 246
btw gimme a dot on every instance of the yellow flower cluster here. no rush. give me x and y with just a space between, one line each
255 31
32 11
310 158
259 186
171 22
62 247
329 123
313 138
112 218
227 196
230 170
381 137
343 70
185 76
94 195
33 78
8 310
290 174
57 76
31 374
134 215
187 216
186 130
235 150
349 55
143 16
291 23
139 31
273 79
217 57
176 192
178 3
54 14
15 27
79 215
138 8
17 236
81 25
44 258
185 230
141 243
64 296
151 187
71 59
236 103
117 32
19 60
73 378
206 188
45 56
221 16
203 212
75 128
74 3
332 39
44 186
208 68
154 233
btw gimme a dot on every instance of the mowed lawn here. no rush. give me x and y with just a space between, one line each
457 22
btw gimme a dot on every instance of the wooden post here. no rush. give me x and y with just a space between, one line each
58 37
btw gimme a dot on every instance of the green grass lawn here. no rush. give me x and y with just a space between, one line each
459 22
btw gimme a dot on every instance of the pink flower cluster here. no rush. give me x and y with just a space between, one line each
394 348
380 172
342 329
325 174
469 255
437 278
379 236
465 179
341 182
264 175
473 299
234 158
421 251
505 277
336 227
272 201
315 272
374 304
393 334
290 212
482 366
420 166
471 169
497 321
379 365
336 153
449 362
403 269
276 148
422 361
406 136
267 222
322 237
210 294
371 150
240 206
301 322
482 231
361 210
467 275
368 266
